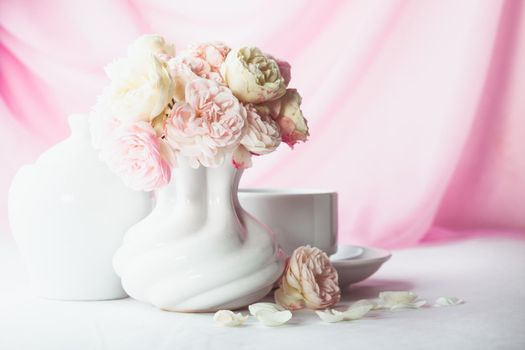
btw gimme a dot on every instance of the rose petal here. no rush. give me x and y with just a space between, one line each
419 303
254 308
228 318
329 316
401 306
270 314
357 312
273 318
241 158
448 301
389 299
363 302
399 300
414 305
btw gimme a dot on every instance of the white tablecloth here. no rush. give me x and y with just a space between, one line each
489 273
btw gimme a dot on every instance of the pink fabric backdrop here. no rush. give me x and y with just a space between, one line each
416 108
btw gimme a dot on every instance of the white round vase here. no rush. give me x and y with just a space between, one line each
68 214
199 251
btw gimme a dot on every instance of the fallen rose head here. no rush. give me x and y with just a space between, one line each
309 280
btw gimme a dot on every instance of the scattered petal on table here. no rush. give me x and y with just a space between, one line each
399 300
273 318
254 308
364 302
448 301
270 314
330 315
357 311
228 318
389 299
419 303
414 305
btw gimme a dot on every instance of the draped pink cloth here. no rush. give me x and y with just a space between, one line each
416 108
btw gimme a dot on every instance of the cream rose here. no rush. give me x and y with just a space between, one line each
151 44
253 76
140 88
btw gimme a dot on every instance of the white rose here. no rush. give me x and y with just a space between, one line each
140 88
262 134
148 44
253 76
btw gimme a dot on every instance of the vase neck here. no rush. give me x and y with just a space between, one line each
202 186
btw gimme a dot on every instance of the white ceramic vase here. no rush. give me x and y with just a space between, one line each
199 251
68 214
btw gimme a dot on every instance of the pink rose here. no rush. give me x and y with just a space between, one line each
262 134
208 125
190 65
202 60
135 154
214 53
184 68
309 280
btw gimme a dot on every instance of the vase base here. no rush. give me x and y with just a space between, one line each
231 305
83 298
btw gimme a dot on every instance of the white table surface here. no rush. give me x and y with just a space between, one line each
489 273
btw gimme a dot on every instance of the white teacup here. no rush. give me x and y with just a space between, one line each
297 217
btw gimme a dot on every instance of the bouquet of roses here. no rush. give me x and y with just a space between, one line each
205 105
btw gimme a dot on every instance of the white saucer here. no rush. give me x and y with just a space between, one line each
355 264
345 252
